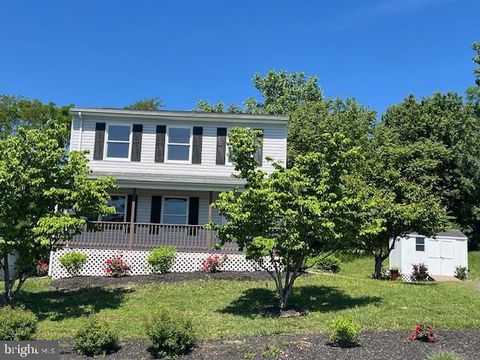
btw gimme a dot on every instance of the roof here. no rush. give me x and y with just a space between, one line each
447 233
180 115
172 181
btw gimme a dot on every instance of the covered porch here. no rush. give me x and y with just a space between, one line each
158 212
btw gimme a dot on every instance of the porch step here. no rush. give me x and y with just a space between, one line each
444 278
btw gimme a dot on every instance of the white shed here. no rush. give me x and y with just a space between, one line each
441 253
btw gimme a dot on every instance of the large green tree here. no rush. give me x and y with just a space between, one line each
17 111
281 219
45 199
446 133
151 104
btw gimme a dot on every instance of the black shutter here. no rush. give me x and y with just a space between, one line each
129 208
193 207
156 210
99 141
221 145
137 142
197 145
259 153
160 143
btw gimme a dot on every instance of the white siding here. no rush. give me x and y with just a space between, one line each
274 146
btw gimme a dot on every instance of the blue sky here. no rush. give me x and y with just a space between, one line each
110 53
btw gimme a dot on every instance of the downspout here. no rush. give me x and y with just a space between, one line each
81 131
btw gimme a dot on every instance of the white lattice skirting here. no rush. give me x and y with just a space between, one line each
137 259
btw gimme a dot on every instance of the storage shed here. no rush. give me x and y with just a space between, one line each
441 253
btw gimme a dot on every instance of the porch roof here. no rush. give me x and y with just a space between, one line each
172 181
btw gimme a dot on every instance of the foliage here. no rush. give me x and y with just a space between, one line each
343 332
396 200
420 272
161 259
423 332
149 104
304 210
17 324
17 111
214 263
45 198
443 355
116 266
461 272
42 268
170 336
324 263
73 262
96 337
473 93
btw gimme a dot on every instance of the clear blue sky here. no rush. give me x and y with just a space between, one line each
111 53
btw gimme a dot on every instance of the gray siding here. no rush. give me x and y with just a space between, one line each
274 146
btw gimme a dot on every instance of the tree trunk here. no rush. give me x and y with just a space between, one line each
283 297
8 295
377 274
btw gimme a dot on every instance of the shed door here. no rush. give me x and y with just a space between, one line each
447 257
433 249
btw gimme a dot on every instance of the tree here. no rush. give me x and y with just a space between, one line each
219 107
45 199
282 219
396 195
448 131
473 92
16 111
151 104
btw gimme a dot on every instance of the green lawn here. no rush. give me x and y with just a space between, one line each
228 308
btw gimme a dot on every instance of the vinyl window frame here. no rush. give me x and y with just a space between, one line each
100 217
167 143
419 247
164 212
107 132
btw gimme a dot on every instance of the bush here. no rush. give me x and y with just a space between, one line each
423 332
17 324
420 272
443 355
116 266
96 338
73 262
214 263
170 336
461 272
161 259
343 332
42 268
328 263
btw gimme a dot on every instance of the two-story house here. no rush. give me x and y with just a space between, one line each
170 166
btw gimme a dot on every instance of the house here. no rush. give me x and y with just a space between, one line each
442 253
170 166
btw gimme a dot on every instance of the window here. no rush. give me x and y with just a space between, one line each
420 244
120 204
179 144
118 141
175 211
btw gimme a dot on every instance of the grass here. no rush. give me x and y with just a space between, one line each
232 308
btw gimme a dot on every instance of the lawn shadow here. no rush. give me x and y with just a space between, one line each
311 297
60 305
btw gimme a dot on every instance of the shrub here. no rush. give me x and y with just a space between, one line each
328 263
443 355
170 336
95 338
116 266
42 268
17 324
161 259
422 332
343 332
73 262
461 272
214 263
420 272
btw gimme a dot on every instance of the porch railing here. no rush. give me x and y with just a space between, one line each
125 235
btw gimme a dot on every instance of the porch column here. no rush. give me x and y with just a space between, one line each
210 211
132 218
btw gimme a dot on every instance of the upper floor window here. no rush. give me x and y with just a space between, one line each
420 244
178 148
118 141
175 211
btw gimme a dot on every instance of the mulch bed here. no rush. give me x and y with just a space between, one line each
386 345
84 281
